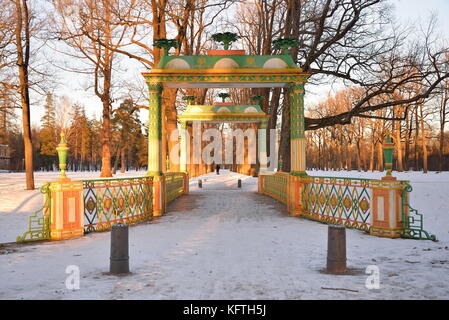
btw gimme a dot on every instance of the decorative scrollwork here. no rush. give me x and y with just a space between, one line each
344 201
39 222
108 201
412 220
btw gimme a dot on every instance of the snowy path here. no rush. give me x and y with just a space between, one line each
221 242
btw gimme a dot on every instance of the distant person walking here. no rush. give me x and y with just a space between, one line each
217 168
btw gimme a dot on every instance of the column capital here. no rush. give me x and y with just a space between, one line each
263 125
154 128
155 87
297 132
183 124
297 88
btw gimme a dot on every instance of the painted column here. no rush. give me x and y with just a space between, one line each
262 146
67 210
297 132
173 140
155 131
155 148
386 204
387 200
183 147
67 202
190 165
196 146
296 184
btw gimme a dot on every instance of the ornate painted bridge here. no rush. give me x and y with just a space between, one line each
73 208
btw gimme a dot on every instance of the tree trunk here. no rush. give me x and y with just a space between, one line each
444 100
359 151
106 142
117 156
105 97
398 144
441 147
23 55
123 162
371 159
380 157
169 105
284 146
408 132
423 140
416 140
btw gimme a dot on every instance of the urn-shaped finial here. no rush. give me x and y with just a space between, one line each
62 155
388 147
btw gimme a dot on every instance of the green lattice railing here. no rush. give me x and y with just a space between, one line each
276 186
174 185
109 201
344 201
39 222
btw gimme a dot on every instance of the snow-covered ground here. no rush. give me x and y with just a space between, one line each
221 242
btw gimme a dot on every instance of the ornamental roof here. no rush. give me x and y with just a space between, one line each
226 71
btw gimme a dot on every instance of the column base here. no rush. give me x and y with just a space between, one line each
154 173
386 232
158 213
299 173
66 234
295 213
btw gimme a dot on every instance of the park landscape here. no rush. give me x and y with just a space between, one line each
228 138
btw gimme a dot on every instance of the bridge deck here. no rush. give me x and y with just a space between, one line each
221 242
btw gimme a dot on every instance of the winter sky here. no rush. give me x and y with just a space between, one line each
407 12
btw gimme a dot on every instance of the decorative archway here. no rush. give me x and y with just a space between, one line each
243 71
219 113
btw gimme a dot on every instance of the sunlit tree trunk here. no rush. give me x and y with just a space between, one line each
423 140
398 144
22 38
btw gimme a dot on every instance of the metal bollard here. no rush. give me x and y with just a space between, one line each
239 183
200 183
119 260
336 249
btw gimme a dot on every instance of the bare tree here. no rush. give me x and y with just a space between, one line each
22 51
443 111
82 25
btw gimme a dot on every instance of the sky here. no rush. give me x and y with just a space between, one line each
406 11
413 10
